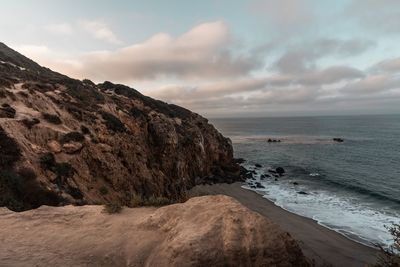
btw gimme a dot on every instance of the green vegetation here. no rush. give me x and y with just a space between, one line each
85 130
63 169
54 119
156 201
21 191
9 151
112 122
29 123
112 208
72 137
103 190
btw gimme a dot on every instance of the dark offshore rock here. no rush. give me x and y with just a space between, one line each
258 165
302 193
280 171
259 185
239 160
339 140
130 144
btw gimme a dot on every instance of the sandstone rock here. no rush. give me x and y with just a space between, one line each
54 146
204 231
72 147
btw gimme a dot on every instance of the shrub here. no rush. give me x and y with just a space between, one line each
103 190
21 191
72 137
64 170
29 123
112 208
47 161
85 130
6 111
136 201
9 150
156 201
54 119
112 122
27 173
135 112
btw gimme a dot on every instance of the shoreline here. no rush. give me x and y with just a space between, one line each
318 242
344 233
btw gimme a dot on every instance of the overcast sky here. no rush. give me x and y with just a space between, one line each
223 58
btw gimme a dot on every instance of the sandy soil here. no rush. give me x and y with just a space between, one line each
317 242
204 231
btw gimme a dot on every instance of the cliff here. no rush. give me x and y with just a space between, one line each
204 231
70 141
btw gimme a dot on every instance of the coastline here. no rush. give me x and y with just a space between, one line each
319 243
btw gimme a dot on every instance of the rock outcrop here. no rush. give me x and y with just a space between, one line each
204 231
77 138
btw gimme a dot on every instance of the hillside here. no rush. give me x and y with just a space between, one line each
69 141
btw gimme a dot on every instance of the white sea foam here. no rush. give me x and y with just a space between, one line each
362 222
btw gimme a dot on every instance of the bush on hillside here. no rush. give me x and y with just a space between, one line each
54 119
72 137
9 150
112 122
29 123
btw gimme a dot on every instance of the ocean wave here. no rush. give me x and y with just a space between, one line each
361 222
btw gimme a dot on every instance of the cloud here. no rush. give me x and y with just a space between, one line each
60 29
388 65
201 52
373 84
330 75
299 59
100 31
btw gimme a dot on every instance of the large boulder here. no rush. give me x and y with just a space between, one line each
204 231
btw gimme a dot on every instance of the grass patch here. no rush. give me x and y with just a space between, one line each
112 208
155 201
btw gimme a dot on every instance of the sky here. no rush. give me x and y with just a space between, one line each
223 58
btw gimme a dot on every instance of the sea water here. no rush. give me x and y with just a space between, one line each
351 187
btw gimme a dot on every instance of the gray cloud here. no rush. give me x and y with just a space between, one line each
203 52
299 59
388 65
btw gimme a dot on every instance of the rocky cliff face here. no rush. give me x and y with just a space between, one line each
69 141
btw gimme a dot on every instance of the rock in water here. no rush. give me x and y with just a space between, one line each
204 231
280 170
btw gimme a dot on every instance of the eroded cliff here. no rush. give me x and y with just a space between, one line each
70 141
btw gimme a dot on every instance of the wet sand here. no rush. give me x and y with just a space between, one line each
326 247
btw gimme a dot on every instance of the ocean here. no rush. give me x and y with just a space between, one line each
351 187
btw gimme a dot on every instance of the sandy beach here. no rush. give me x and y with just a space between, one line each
324 246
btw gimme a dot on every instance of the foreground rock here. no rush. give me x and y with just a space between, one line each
204 231
83 143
